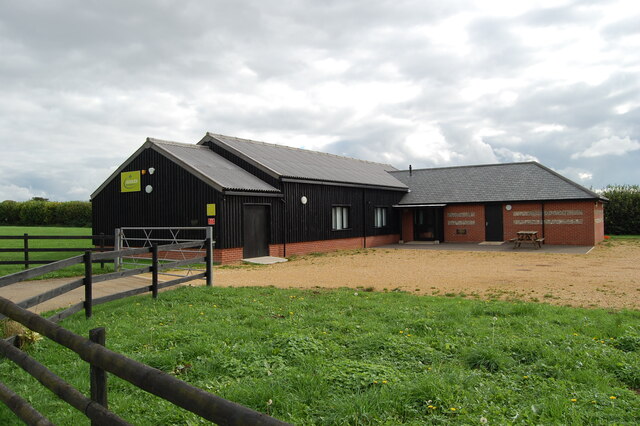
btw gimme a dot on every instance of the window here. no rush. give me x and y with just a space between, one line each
379 217
339 217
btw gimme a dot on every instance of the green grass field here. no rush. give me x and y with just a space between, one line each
355 357
42 230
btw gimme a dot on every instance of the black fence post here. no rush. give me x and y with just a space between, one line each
209 261
102 248
26 251
154 271
88 282
97 376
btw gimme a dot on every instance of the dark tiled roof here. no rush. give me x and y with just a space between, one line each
211 167
489 183
286 162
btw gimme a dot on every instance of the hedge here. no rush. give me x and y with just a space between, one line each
45 213
622 212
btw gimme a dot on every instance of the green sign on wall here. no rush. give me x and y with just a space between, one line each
130 181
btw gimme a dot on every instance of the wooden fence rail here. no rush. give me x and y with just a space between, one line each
90 280
26 249
206 405
101 360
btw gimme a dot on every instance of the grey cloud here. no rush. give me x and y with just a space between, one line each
84 83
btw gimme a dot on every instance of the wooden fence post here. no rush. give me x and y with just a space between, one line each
102 248
154 271
88 282
97 376
26 251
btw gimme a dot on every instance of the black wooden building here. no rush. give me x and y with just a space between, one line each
262 199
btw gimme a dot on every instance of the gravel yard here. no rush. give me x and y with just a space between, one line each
609 276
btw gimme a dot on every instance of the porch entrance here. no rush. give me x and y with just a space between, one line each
428 224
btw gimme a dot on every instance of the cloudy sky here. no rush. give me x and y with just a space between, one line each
428 83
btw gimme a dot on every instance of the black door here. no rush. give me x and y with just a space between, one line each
493 222
256 231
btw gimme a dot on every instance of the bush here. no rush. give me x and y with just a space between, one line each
33 213
43 213
9 212
622 212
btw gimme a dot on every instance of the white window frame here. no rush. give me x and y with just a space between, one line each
379 217
340 217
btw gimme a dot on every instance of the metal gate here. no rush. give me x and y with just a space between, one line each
134 237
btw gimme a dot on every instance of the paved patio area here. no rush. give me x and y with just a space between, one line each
505 247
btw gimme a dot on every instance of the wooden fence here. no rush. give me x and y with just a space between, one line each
100 242
101 360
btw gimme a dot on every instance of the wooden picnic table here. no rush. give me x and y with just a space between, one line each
530 237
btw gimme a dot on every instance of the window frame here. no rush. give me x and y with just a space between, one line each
380 221
340 213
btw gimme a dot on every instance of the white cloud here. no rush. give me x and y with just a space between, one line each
613 145
422 82
18 193
509 156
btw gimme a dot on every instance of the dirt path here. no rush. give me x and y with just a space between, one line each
609 276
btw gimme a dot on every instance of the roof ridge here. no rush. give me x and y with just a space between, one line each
214 135
165 142
468 166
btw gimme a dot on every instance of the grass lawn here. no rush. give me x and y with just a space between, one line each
46 230
358 357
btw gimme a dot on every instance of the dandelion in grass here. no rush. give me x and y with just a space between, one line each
290 313
384 382
401 331
453 408
483 420
574 400
613 397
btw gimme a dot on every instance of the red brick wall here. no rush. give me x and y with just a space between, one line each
522 217
565 222
235 254
468 217
569 223
381 240
227 255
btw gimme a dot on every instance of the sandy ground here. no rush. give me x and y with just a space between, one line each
609 276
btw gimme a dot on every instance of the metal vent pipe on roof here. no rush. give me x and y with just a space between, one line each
410 170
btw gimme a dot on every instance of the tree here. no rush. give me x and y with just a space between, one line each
622 212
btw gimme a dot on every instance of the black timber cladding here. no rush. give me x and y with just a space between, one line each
312 221
178 199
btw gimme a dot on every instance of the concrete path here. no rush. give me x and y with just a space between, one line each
505 247
26 289
265 260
